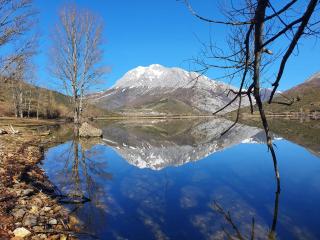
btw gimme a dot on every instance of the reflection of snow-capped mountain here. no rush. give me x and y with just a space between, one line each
145 148
260 138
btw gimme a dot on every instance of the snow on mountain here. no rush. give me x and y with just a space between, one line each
145 85
156 75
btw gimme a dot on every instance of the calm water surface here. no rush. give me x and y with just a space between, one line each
181 180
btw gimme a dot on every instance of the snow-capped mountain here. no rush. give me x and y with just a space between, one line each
152 145
265 94
158 76
155 88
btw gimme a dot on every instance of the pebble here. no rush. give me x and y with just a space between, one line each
37 229
53 222
27 191
57 209
39 236
18 214
34 209
29 220
18 224
63 237
21 232
46 209
38 202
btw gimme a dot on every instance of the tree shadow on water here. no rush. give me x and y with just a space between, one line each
81 181
236 233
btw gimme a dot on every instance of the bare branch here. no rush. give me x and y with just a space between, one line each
77 54
193 12
305 19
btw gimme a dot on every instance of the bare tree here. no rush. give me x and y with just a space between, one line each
262 32
19 79
77 54
38 99
17 19
17 86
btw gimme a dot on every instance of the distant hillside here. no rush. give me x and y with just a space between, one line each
304 133
50 104
156 89
305 97
162 106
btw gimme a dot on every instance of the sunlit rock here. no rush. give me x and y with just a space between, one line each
87 130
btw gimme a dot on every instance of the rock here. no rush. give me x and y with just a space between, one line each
18 214
21 232
53 222
29 220
27 192
18 224
39 236
42 236
46 209
18 192
34 210
37 202
63 237
37 229
87 130
57 209
2 132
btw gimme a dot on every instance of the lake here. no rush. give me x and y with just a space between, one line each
179 179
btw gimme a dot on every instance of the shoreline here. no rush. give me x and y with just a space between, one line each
29 208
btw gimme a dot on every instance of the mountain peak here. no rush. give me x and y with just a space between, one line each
314 77
156 75
155 65
159 89
148 68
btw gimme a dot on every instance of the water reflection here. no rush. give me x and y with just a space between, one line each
80 177
161 144
145 180
232 231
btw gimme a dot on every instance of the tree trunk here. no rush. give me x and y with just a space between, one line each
21 104
258 42
38 105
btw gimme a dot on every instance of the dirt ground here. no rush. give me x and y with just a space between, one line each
29 204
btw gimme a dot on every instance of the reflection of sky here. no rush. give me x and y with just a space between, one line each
177 202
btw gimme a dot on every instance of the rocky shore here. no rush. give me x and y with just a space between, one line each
29 204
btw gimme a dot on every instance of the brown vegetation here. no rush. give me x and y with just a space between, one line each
28 199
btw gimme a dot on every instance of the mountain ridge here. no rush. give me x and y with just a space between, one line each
303 98
143 86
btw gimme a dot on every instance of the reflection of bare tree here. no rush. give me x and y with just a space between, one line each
81 171
77 191
237 234
272 233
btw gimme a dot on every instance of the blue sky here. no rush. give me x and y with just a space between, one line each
143 32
